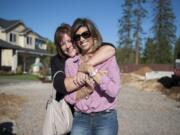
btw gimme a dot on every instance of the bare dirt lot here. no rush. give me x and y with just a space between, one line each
140 112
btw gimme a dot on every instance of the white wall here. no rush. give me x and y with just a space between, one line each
6 59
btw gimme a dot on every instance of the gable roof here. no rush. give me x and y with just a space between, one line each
5 24
8 24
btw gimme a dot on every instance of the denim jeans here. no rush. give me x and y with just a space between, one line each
101 123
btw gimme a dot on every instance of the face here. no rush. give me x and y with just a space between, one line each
67 46
84 40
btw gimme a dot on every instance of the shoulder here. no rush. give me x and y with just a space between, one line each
54 58
107 43
57 59
72 60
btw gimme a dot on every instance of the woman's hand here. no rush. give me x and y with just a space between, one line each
80 79
83 93
90 82
85 68
98 75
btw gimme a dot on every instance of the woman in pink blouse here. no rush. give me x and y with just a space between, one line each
96 113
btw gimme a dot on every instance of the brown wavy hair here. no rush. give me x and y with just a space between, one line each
84 22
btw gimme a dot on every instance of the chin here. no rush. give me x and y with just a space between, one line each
85 49
72 54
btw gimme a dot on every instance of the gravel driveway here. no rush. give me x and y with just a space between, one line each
139 112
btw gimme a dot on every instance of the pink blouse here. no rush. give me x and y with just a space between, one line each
105 94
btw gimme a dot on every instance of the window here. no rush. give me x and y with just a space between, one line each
38 44
29 41
12 37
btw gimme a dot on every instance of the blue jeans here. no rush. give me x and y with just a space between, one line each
101 123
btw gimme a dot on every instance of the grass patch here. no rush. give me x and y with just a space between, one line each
20 77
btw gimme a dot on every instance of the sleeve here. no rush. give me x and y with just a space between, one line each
110 83
70 98
58 83
56 64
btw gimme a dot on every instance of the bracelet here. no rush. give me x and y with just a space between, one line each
93 73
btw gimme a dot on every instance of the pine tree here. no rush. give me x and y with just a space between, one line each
149 51
139 13
125 33
177 49
164 30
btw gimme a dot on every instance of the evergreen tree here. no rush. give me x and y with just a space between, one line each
177 49
139 13
125 33
164 30
149 51
122 55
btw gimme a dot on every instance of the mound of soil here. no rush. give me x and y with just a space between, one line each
142 71
128 78
134 80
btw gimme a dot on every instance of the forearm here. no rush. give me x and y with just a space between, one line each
64 85
102 54
109 82
83 92
70 85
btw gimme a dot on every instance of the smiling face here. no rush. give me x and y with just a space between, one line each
85 41
67 46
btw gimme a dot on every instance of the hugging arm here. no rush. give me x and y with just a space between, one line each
69 84
102 54
61 83
105 52
109 82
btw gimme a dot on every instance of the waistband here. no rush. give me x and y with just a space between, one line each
96 113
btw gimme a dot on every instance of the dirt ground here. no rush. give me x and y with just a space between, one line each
24 111
143 107
137 79
10 105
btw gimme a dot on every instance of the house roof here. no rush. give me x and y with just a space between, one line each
24 31
8 23
7 45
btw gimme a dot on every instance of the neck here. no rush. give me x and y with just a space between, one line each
86 57
86 52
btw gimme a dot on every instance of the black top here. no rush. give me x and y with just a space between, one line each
57 64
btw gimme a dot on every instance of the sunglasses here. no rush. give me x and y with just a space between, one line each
85 35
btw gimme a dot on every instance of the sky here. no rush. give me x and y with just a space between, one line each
44 16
